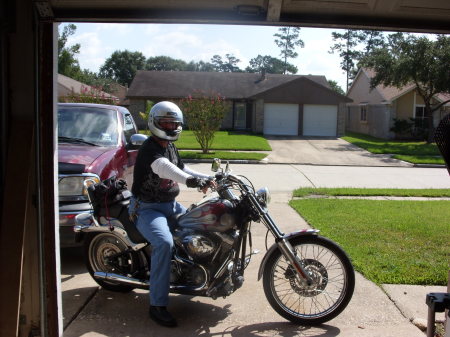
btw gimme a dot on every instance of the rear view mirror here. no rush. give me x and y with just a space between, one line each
215 166
138 139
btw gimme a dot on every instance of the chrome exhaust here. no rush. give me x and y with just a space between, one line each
99 275
120 279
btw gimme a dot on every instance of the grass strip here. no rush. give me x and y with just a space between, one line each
421 159
224 155
383 146
398 242
223 140
394 192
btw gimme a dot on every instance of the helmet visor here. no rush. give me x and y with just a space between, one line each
171 125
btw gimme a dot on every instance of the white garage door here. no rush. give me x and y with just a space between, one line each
281 119
319 120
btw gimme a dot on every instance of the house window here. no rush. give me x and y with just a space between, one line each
420 119
363 113
240 116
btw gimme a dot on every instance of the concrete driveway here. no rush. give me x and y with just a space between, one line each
90 311
325 151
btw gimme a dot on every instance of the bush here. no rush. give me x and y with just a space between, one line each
204 115
89 94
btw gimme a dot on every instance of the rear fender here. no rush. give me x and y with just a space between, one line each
303 232
86 223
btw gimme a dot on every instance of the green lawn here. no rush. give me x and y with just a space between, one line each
398 192
224 140
414 152
400 242
224 155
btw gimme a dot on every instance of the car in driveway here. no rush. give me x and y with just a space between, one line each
96 142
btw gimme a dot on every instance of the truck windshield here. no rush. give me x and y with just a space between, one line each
87 125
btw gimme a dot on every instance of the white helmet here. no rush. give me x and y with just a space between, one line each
167 112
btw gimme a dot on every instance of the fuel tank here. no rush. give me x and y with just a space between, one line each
216 215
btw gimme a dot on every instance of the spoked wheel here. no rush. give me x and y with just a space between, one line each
333 281
105 252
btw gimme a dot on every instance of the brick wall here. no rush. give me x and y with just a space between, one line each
136 106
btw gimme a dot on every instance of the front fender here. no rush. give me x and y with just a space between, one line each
288 237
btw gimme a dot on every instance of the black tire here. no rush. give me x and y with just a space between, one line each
332 273
99 246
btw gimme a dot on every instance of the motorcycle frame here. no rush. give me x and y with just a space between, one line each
281 240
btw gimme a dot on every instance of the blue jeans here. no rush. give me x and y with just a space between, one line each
152 224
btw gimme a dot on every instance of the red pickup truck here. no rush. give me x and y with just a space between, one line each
96 142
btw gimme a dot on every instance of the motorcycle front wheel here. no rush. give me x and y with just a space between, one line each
105 252
331 290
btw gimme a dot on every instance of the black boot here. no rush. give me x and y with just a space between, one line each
161 316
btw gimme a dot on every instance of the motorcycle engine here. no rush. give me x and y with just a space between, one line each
203 245
199 246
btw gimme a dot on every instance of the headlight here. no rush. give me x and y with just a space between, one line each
75 185
263 196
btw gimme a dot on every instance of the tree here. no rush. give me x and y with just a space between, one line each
270 64
288 39
144 114
200 66
371 39
165 63
122 66
415 60
229 65
346 46
336 87
67 63
204 115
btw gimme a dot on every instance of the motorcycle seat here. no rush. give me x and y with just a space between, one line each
133 233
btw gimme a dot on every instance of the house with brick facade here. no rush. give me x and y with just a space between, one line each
271 104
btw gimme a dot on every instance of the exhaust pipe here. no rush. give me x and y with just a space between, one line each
121 279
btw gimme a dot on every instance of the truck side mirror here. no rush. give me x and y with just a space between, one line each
137 139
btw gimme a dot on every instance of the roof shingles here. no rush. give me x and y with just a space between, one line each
178 84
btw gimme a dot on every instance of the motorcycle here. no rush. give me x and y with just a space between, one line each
307 279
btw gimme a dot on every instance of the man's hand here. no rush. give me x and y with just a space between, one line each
199 183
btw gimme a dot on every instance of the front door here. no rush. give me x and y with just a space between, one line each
240 116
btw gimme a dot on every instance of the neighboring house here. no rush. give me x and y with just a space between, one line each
272 104
68 86
373 111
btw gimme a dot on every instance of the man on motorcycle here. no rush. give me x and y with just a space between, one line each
157 172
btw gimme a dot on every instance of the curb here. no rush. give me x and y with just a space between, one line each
266 162
430 165
231 161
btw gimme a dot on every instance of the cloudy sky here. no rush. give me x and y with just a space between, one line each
200 42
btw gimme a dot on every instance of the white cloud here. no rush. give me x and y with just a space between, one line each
115 28
92 52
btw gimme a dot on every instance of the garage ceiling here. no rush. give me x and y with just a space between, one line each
404 15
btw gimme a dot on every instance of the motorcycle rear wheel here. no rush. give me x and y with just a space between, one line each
333 281
97 248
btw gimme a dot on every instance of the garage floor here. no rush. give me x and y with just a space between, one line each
324 151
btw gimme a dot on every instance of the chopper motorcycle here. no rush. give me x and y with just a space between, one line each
307 279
